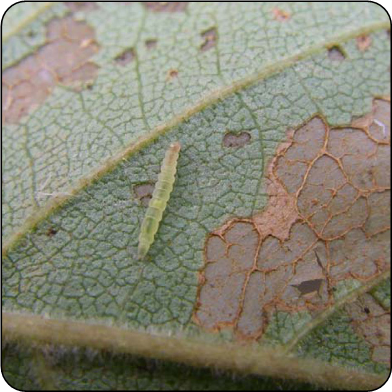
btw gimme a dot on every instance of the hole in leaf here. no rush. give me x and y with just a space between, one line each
236 140
125 57
336 54
209 37
143 192
51 232
309 286
151 43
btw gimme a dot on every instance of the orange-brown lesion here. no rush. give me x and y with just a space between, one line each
321 226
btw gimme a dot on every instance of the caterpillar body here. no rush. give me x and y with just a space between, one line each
159 199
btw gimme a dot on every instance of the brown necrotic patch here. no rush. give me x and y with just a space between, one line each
327 220
166 6
209 39
85 6
125 57
373 323
65 60
143 192
236 140
336 54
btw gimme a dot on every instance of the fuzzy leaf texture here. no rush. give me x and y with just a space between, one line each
270 268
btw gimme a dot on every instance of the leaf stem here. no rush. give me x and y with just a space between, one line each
246 359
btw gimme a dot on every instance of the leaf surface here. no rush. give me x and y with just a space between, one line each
274 244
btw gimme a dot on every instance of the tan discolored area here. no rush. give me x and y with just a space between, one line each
65 60
209 39
166 6
336 54
327 220
236 140
230 257
373 323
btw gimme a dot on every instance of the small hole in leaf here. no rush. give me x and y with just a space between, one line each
309 286
51 232
336 54
151 43
236 140
125 57
143 192
209 37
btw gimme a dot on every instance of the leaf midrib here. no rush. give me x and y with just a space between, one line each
213 97
27 328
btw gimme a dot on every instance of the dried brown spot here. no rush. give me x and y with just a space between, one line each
65 59
336 54
236 140
151 43
125 57
327 220
85 6
209 39
144 192
166 6
363 42
372 322
281 15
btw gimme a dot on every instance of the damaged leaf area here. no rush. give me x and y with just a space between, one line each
327 220
371 321
277 219
64 59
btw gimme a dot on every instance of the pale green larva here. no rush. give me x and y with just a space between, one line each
160 197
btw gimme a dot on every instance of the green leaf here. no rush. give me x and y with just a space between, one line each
271 260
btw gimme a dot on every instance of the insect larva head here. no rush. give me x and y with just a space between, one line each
175 146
